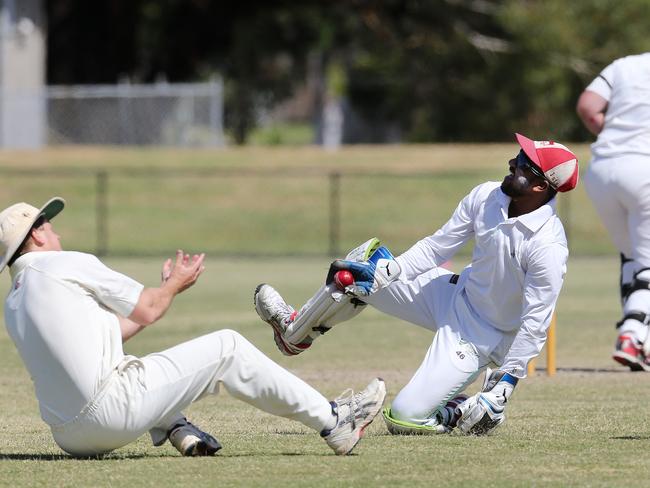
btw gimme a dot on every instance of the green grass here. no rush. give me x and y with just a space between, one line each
587 426
282 134
271 201
579 428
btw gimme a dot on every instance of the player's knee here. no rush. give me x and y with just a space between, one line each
231 340
408 411
640 283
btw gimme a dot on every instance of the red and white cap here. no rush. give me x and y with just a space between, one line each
557 162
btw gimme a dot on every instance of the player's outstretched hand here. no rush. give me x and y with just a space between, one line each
184 272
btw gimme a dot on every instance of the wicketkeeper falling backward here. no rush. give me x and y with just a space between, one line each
496 311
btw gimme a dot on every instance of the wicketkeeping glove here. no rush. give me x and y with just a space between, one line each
483 412
369 276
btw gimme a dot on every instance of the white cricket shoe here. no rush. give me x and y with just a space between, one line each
189 440
355 412
273 310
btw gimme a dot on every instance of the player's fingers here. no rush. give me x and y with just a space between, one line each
197 261
166 269
198 272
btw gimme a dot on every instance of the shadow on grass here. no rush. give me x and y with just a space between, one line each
34 457
118 457
257 454
588 370
66 457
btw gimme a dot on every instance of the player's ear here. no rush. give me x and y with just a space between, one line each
36 235
541 185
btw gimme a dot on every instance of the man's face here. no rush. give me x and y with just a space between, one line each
51 240
520 180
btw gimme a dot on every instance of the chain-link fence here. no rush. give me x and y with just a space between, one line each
188 114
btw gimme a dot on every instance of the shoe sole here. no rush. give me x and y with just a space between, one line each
200 449
360 431
485 428
630 361
277 334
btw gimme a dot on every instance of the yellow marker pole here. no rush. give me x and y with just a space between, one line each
531 367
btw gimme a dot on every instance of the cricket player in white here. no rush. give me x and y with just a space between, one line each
68 315
497 311
616 107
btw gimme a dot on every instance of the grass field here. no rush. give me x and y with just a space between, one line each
587 426
273 201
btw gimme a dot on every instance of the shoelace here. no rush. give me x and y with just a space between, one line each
354 401
351 400
283 315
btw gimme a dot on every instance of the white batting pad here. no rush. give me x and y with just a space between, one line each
325 309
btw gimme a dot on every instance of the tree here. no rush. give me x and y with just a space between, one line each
437 70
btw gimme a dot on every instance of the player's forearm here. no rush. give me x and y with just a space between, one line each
526 346
128 328
420 258
152 305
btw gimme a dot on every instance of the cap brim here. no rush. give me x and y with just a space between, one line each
50 210
528 145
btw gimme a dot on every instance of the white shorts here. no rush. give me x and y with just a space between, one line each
620 191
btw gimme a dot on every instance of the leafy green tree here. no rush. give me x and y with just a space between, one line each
437 70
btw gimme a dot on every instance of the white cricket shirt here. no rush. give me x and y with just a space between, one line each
61 314
514 280
625 84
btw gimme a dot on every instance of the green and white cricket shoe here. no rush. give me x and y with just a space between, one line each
189 440
443 422
403 427
355 411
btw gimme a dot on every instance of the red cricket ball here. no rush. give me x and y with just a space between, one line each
342 279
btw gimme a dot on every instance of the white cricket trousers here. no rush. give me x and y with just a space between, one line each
148 394
620 191
452 361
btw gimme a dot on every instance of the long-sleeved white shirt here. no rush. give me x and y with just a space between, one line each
516 274
61 313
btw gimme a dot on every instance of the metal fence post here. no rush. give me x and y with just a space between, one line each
335 212
101 212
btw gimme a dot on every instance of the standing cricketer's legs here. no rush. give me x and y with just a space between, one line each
617 190
149 394
451 363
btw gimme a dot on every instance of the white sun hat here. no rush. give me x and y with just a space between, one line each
16 222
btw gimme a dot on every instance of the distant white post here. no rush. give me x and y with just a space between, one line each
22 74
